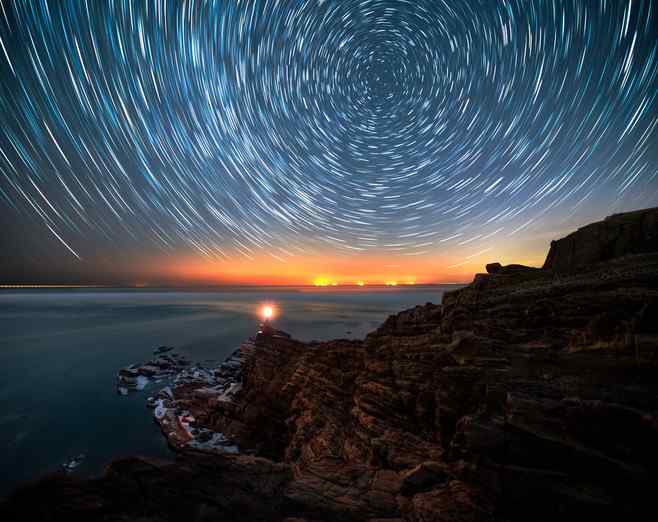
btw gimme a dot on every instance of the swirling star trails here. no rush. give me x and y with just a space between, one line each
406 127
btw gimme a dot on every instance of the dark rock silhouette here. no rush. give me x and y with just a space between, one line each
530 394
617 235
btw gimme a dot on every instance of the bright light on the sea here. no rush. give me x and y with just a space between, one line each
267 312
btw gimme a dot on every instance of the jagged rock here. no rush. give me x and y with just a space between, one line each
162 367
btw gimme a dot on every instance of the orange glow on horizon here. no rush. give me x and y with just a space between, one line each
323 271
326 269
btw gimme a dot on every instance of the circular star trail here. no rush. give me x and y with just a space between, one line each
403 127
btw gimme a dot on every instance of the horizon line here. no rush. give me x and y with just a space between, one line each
28 286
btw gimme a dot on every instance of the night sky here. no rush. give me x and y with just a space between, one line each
268 141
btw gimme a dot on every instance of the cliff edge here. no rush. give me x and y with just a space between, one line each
616 236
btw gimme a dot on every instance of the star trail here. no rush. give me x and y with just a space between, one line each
432 135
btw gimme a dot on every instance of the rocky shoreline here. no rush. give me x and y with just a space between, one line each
188 391
531 394
194 391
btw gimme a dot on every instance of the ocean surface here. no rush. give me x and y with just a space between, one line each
60 351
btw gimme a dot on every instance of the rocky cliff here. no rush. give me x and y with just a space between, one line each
616 236
531 394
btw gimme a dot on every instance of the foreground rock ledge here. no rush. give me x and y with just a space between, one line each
531 394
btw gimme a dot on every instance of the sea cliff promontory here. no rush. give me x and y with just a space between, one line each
530 394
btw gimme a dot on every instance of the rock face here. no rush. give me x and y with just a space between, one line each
531 394
616 236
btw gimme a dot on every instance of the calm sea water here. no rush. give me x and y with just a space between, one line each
60 351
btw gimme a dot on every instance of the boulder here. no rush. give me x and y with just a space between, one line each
493 268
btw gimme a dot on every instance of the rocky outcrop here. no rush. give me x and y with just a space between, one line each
530 394
617 235
566 420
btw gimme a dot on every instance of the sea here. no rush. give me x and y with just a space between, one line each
60 351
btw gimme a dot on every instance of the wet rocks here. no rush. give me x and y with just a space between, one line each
190 390
162 367
72 463
185 410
